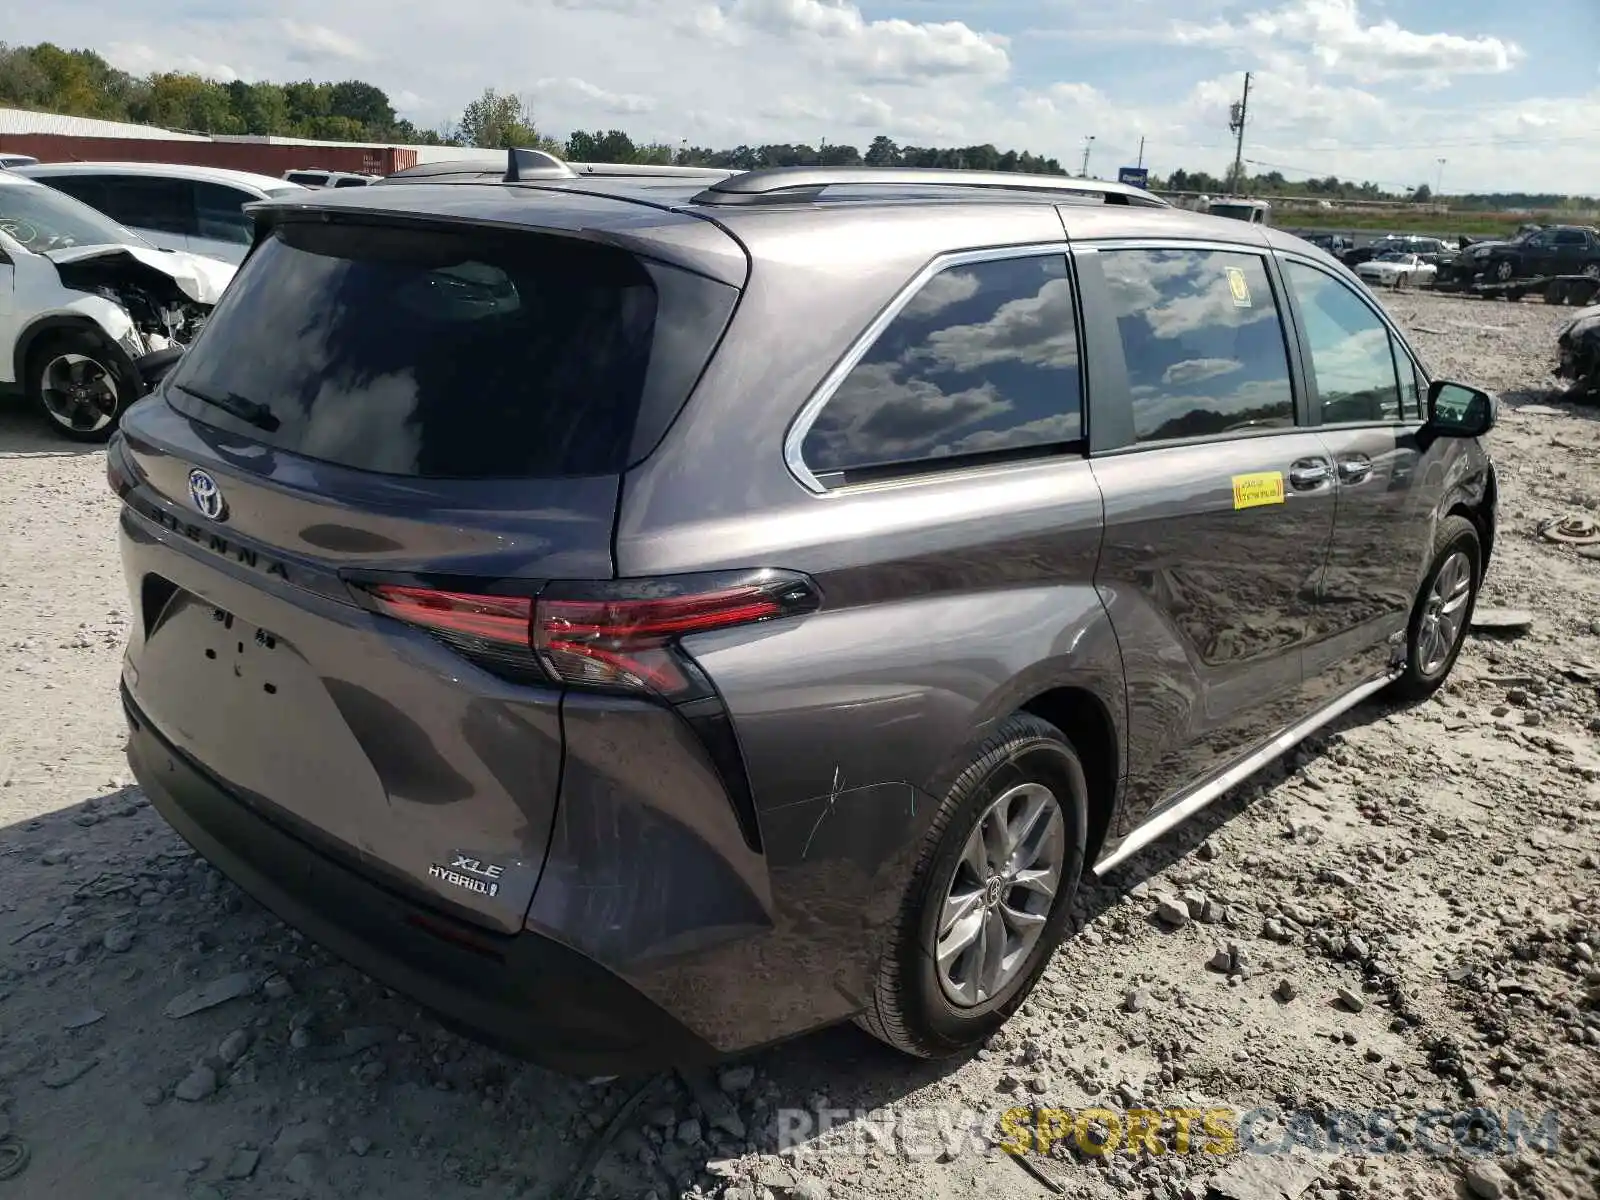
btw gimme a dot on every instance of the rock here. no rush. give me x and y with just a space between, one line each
360 1146
1195 902
68 1071
277 988
55 856
197 1084
1501 620
1222 960
1135 1000
714 1103
243 1164
1350 1000
151 1097
303 1169
371 1072
233 1046
300 1038
1208 850
218 991
1214 911
690 1133
1273 930
1261 1177
118 939
1172 913
82 1018
809 1187
737 1079
1285 991
300 1135
1487 1181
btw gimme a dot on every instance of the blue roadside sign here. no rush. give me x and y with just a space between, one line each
1137 176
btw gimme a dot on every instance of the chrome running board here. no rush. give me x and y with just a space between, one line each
1175 813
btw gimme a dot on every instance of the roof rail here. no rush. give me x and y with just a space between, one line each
782 185
651 170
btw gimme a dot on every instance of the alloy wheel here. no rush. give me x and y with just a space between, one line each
1445 613
1000 896
79 393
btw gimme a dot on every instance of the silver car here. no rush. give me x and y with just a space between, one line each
644 619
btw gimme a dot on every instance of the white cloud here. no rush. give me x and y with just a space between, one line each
1194 370
312 41
139 58
1333 32
884 50
585 94
1035 330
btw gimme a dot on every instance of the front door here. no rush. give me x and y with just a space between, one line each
1365 395
1218 509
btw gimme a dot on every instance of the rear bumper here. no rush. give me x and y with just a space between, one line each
526 994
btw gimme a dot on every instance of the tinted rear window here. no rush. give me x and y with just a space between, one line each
432 353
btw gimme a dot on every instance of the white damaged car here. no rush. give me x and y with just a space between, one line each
82 300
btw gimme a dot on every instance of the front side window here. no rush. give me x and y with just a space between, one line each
1203 342
983 361
1351 356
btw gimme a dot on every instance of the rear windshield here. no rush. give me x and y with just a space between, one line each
432 353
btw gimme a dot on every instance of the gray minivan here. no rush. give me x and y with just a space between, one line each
644 620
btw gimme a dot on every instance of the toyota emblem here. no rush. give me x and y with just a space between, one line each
206 496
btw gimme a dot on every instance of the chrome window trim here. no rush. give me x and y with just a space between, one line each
794 440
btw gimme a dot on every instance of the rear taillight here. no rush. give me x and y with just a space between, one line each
618 635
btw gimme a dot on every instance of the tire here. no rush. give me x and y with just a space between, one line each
1426 669
1555 293
1592 270
102 384
913 1005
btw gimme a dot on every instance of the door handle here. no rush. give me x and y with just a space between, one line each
1309 473
1355 468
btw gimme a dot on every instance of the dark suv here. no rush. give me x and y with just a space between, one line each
643 620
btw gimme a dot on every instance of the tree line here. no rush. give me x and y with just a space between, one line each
82 83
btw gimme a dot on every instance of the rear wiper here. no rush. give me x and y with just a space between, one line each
250 411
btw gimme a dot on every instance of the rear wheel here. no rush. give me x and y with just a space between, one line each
1504 270
1592 270
80 384
1443 609
989 899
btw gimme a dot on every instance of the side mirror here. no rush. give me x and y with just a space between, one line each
1456 410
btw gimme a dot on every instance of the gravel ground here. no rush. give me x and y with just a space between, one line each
1403 915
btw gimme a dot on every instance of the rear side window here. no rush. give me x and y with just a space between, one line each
148 202
307 178
441 354
350 183
219 213
1352 359
1203 340
982 362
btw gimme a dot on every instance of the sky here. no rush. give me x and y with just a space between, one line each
1508 96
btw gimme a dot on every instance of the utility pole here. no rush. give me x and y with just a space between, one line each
1088 144
1237 115
1141 153
1438 183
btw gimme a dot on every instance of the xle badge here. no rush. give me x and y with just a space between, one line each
469 873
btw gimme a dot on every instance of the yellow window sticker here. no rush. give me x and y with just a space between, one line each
1263 487
1239 286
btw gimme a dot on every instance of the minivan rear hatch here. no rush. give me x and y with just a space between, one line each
419 404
